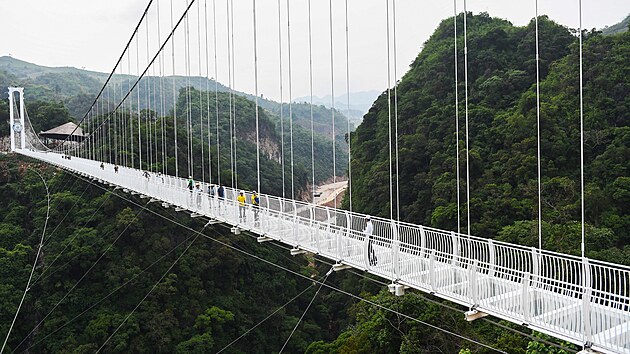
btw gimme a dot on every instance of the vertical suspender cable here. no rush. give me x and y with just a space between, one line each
538 133
281 98
456 117
256 99
389 115
205 8
87 131
174 96
348 114
290 96
115 117
396 110
310 70
102 130
216 88
188 98
130 113
467 135
581 135
138 98
229 58
332 93
187 75
123 121
123 127
157 110
234 94
203 168
97 132
148 106
109 130
586 318
163 104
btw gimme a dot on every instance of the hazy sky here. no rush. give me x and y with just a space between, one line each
92 34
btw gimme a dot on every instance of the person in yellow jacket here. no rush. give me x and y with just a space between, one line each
241 206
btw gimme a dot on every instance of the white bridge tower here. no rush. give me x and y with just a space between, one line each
17 126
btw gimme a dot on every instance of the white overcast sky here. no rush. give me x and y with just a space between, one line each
92 34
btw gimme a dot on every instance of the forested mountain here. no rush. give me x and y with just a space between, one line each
105 251
215 293
244 131
502 124
76 89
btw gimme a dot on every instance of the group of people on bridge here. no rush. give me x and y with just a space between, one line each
218 191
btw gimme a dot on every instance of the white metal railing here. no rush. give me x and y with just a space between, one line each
575 299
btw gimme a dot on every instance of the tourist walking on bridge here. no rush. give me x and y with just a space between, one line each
211 192
198 195
241 206
191 184
221 195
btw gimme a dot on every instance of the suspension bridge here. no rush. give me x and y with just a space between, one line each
577 299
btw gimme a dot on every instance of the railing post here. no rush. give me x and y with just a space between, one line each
535 263
311 223
366 255
472 283
395 249
423 242
492 261
455 240
344 241
525 297
295 238
262 214
432 271
586 300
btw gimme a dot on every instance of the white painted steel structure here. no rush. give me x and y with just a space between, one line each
546 291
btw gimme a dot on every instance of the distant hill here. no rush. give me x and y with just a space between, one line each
360 103
77 88
618 28
66 83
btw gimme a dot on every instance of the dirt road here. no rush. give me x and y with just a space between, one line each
329 191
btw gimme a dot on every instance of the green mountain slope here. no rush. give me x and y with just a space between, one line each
77 88
103 254
620 27
502 118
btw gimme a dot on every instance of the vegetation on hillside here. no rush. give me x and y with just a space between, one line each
214 294
502 124
104 252
623 26
75 89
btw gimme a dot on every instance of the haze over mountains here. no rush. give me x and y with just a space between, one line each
360 103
